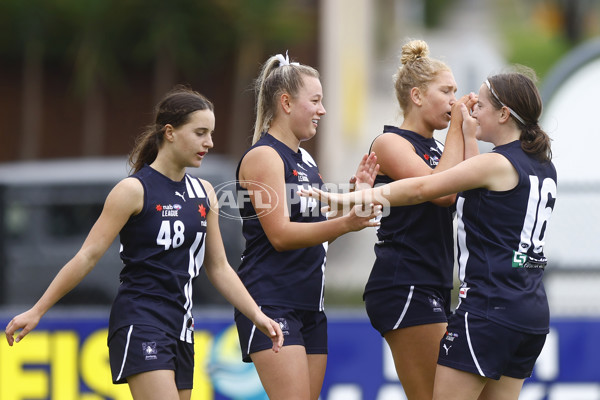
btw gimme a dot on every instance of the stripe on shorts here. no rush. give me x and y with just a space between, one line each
126 350
412 288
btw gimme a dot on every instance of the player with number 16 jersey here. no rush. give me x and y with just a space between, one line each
500 242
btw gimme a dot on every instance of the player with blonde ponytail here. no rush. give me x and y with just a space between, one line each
283 264
407 296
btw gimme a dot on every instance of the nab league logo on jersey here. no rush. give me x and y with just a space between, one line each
450 336
168 210
431 159
302 177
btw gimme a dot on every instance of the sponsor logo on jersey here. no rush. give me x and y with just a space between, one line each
433 160
462 292
182 195
436 150
447 348
522 260
149 349
450 336
302 177
168 210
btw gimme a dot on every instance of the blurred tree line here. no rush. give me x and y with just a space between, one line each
540 32
79 78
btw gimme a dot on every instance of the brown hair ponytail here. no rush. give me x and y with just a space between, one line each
518 91
174 109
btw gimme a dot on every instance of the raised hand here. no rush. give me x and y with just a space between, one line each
365 173
468 100
469 124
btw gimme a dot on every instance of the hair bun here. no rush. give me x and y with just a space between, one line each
414 50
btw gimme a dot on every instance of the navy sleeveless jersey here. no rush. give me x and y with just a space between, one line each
293 278
501 245
162 249
415 243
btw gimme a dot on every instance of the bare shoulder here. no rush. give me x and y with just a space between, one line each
492 161
210 191
492 171
207 185
387 139
128 194
260 153
129 187
259 161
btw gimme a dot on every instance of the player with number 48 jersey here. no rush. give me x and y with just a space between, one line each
163 251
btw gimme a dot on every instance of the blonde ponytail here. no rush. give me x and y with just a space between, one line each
277 76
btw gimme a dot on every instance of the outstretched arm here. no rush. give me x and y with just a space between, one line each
124 200
227 282
491 171
262 174
399 160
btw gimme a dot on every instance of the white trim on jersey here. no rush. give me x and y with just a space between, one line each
461 243
196 258
322 296
194 188
125 352
307 158
471 346
408 299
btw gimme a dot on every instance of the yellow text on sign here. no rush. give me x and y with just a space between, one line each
50 365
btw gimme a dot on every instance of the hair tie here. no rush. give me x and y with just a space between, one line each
285 60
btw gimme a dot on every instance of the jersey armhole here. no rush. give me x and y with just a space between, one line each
144 209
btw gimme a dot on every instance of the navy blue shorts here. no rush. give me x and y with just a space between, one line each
477 345
141 348
300 327
405 306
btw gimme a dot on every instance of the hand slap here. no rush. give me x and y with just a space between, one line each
367 171
371 211
315 193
